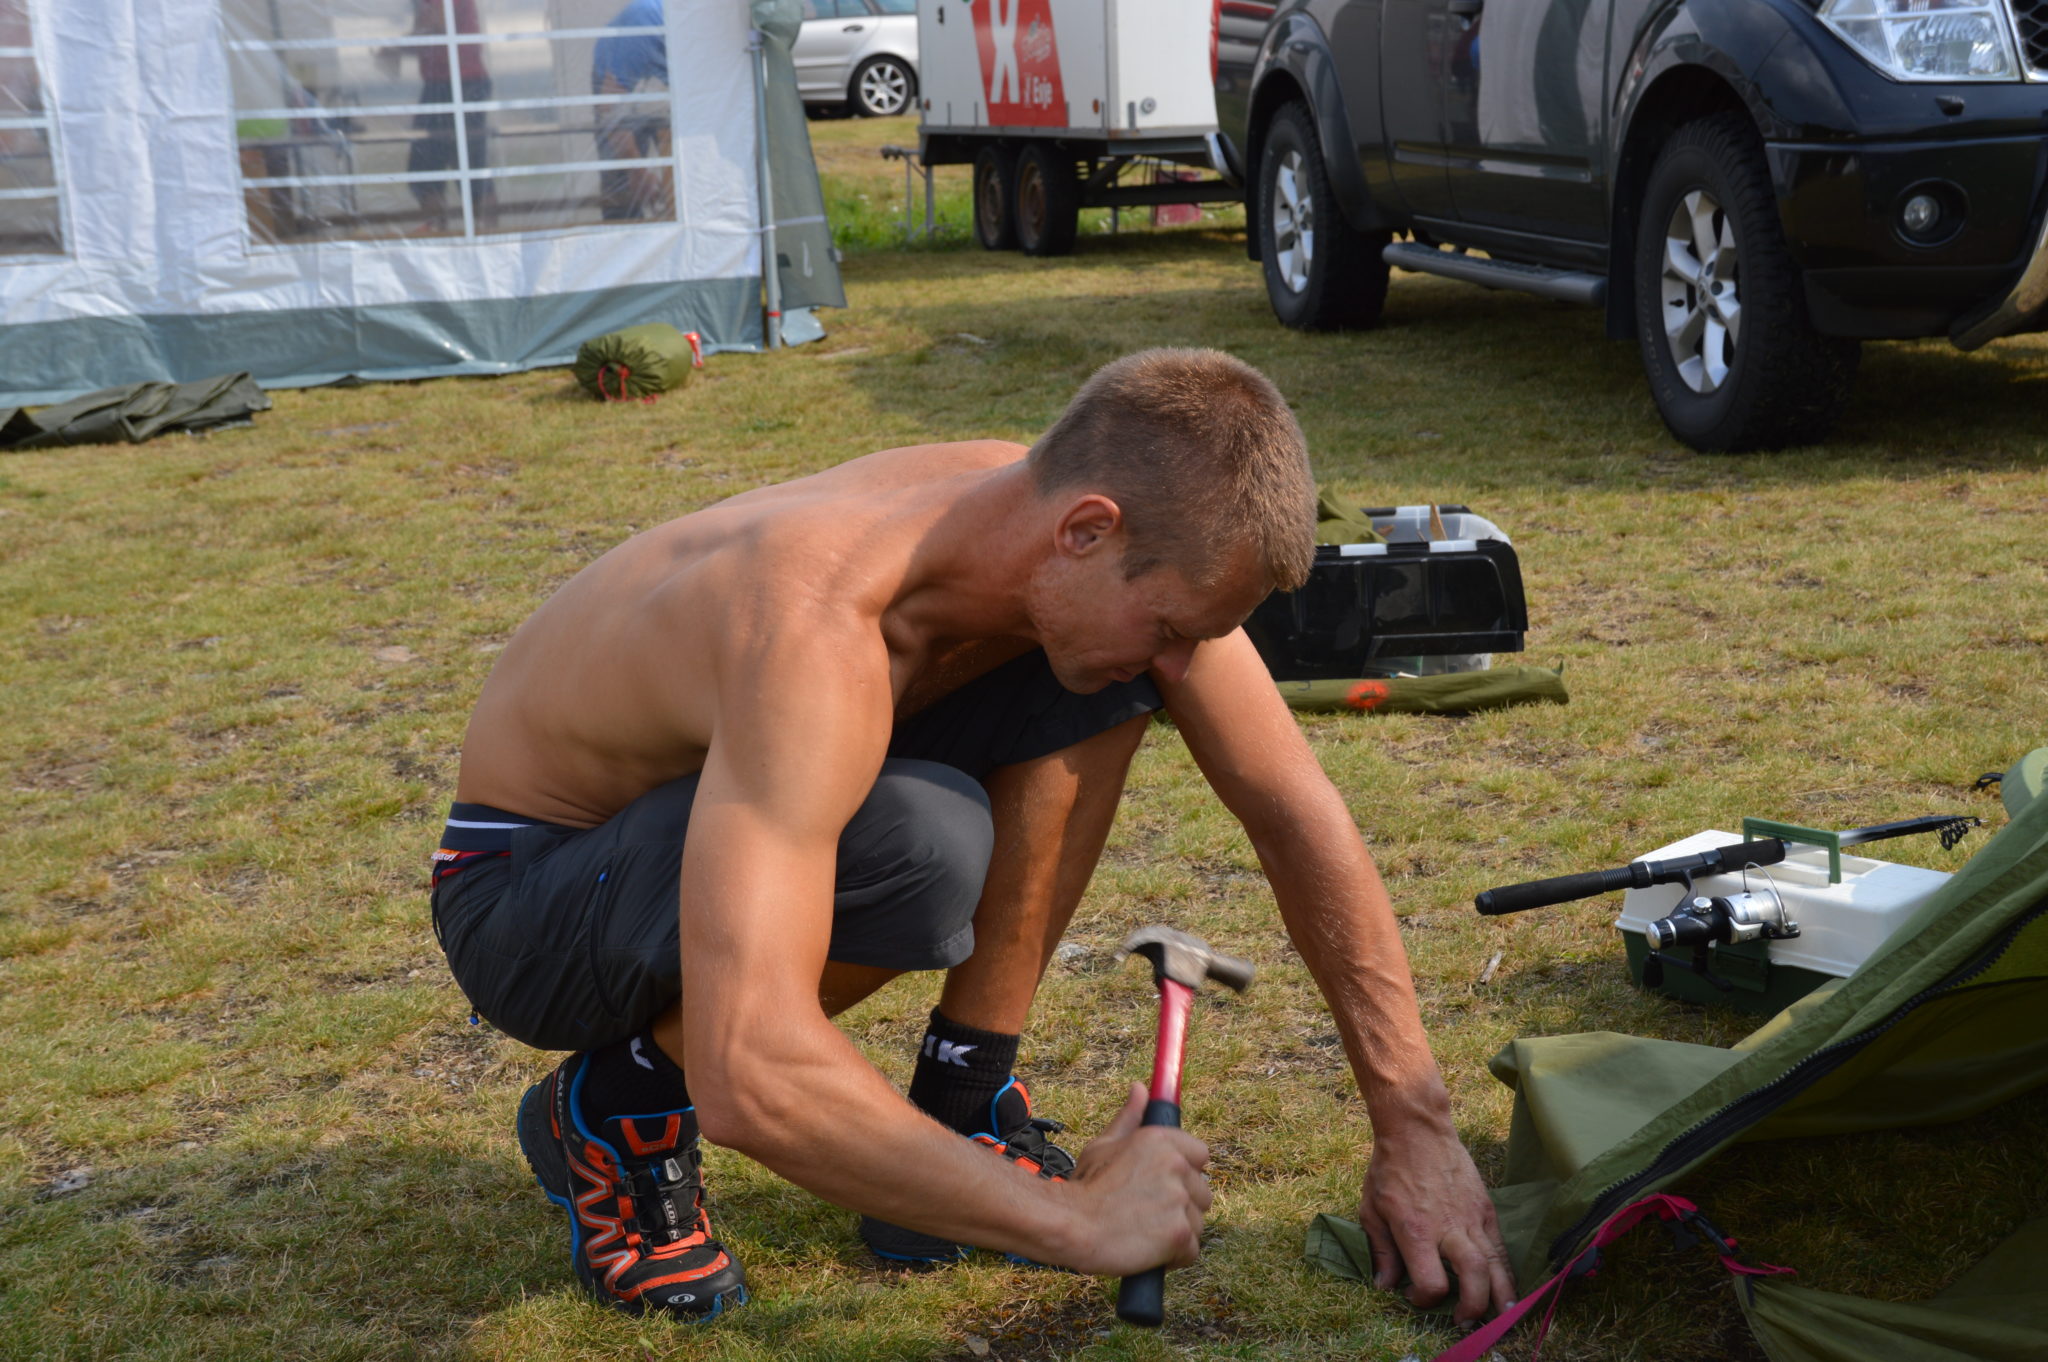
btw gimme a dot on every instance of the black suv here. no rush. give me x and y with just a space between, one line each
1750 188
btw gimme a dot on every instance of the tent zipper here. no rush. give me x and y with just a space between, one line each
1753 1105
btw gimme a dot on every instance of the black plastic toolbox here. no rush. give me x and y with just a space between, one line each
1367 607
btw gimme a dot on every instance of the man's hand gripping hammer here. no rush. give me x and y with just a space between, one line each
1180 963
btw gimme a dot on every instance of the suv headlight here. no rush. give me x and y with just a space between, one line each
1927 39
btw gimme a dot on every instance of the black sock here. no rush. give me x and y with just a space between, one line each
632 1078
959 1072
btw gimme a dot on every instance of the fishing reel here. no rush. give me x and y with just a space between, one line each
1703 922
1722 920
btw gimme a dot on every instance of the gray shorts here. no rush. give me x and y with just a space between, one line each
570 941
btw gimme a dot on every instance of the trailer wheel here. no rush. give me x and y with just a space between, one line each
1320 274
1733 360
1048 200
995 193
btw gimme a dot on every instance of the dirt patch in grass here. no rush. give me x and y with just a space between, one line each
1033 1330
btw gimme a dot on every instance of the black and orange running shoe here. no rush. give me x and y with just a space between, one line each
633 1189
1023 1142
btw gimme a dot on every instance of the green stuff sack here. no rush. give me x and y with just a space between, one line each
1449 693
638 362
1339 522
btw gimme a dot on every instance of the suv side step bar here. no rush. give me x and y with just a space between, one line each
1570 286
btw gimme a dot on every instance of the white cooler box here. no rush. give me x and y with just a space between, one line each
1840 925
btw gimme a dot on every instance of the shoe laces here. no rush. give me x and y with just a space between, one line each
1030 1141
668 1199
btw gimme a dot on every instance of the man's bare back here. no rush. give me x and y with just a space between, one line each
606 691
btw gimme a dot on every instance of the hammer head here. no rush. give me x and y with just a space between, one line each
1187 959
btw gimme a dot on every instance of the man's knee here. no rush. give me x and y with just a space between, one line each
911 867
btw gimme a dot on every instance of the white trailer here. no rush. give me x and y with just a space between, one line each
1052 100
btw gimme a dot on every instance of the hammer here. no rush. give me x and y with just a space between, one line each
1180 963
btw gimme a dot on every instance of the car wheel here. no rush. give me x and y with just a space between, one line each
882 87
1048 200
995 191
1321 275
1733 360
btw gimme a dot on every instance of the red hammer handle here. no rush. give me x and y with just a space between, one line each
1176 1001
1142 1297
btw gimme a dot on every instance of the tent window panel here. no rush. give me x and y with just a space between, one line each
375 211
345 20
342 77
571 135
333 98
21 94
30 227
327 179
583 198
25 159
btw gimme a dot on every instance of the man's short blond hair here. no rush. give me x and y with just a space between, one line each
1202 455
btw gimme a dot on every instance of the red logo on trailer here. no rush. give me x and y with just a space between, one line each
1020 62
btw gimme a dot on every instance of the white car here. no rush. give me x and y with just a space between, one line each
860 53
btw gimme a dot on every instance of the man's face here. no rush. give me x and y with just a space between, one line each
1097 627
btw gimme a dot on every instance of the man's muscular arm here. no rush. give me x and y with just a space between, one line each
1422 1203
770 1074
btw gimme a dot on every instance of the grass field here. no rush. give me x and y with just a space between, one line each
236 672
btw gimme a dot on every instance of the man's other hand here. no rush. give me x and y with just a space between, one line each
1145 1195
1423 1207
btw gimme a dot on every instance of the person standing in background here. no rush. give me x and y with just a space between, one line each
437 150
621 64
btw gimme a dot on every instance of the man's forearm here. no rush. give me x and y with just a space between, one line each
818 1114
1338 915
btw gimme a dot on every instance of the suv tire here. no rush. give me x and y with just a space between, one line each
995 197
1734 362
1320 274
1048 203
882 87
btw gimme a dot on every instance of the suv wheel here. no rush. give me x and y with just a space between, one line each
1048 200
882 87
1320 274
995 191
1733 360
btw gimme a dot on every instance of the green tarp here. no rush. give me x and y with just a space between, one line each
135 412
1948 1018
1445 693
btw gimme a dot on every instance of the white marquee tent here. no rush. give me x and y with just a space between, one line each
312 189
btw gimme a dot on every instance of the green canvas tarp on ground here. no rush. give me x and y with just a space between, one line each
1947 1019
135 412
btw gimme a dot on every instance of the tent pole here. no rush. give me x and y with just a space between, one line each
770 275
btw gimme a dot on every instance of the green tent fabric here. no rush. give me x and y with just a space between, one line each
1446 693
1998 1310
135 412
1339 522
2026 781
1948 1018
808 264
639 361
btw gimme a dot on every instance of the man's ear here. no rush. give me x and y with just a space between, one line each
1092 522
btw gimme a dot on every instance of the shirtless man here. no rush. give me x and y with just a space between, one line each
978 634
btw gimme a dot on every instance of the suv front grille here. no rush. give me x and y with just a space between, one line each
2030 17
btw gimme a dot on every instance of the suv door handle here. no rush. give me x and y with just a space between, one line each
1466 9
853 28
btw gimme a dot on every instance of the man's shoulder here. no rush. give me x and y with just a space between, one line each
947 456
